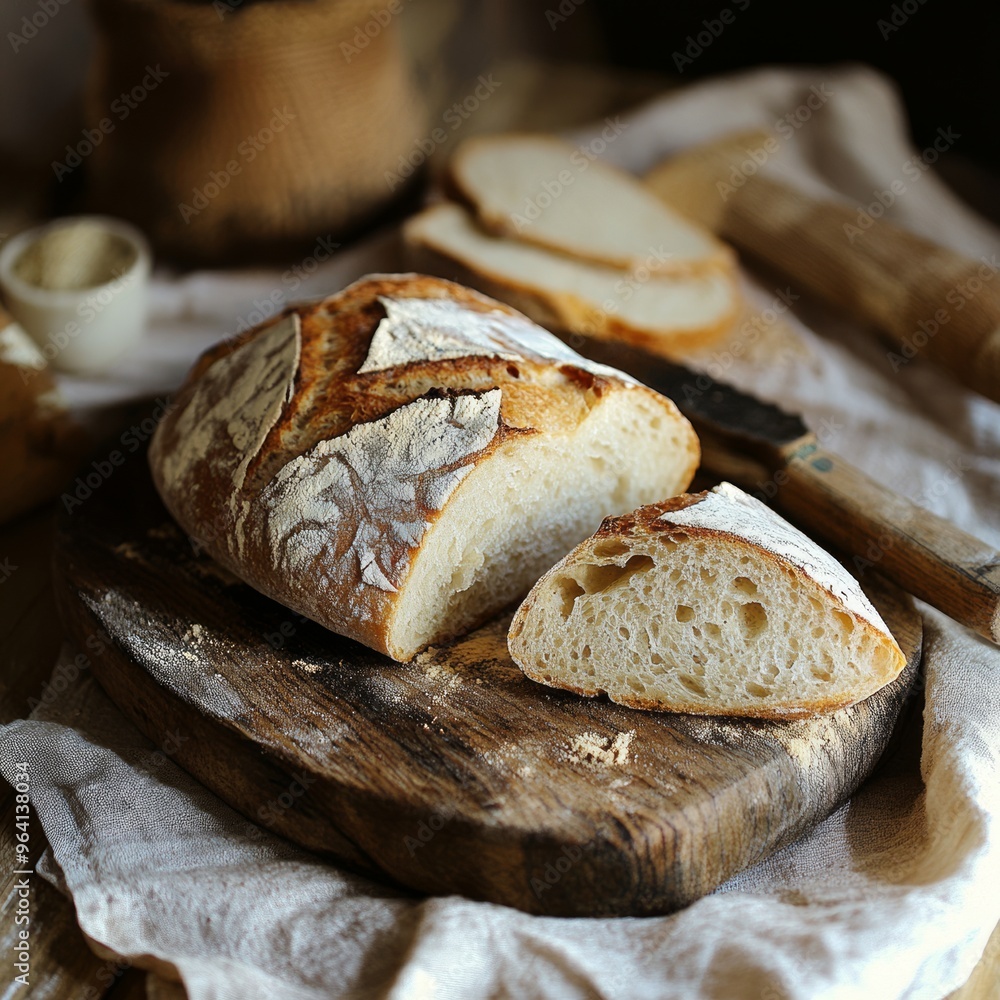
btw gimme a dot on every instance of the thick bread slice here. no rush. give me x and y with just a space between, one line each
671 316
540 190
403 459
711 604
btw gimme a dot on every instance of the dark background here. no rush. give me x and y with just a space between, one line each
943 56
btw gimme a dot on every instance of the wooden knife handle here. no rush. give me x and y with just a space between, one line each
925 554
932 302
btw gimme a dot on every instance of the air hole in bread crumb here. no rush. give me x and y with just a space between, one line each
684 613
595 579
846 621
753 619
820 674
693 685
586 652
745 585
757 690
707 576
624 632
513 371
569 591
610 548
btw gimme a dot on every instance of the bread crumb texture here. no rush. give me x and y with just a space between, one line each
706 604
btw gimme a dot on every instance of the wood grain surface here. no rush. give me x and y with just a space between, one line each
453 773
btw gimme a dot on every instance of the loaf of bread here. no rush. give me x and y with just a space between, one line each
40 442
538 189
403 459
708 603
670 315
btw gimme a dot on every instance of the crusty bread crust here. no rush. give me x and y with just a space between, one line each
268 457
653 521
459 184
560 310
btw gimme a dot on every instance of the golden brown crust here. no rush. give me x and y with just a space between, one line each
227 492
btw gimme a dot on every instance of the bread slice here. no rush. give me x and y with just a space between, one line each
708 603
403 459
668 315
540 190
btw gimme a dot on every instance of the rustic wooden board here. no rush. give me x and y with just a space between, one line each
453 773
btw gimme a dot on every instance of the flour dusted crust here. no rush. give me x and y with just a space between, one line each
726 508
708 603
368 460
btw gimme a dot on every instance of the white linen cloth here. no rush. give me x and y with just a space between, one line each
895 895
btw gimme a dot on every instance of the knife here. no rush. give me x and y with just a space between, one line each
775 457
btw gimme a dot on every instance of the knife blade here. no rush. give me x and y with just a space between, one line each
774 456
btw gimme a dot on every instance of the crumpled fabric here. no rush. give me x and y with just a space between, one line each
894 895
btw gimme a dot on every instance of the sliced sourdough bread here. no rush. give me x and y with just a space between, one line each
671 316
403 459
541 190
708 603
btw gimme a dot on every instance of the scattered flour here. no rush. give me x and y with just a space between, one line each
593 748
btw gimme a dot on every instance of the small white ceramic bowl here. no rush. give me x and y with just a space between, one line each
81 330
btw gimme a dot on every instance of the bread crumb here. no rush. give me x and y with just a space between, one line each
593 748
194 633
309 668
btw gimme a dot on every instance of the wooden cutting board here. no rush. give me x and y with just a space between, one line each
454 773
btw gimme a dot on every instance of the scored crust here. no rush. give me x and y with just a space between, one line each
315 455
626 546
